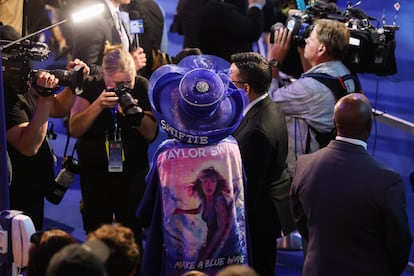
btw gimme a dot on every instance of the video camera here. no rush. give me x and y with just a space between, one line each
65 177
132 111
370 50
17 68
73 79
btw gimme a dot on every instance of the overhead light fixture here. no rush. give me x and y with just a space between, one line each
82 15
88 13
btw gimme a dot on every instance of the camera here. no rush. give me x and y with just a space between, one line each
73 79
370 49
300 25
17 62
65 177
132 111
300 29
17 70
24 51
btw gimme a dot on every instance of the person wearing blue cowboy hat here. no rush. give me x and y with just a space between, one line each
199 107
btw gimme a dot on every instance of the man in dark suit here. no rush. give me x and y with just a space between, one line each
153 36
350 208
262 138
113 26
220 28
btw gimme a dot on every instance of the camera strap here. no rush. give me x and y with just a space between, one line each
338 88
336 84
65 152
117 130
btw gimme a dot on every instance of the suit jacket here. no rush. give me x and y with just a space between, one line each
152 36
90 37
218 28
262 138
352 211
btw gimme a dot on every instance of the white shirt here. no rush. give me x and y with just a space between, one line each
119 20
251 104
352 141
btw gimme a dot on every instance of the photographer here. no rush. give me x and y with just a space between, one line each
113 122
308 103
27 110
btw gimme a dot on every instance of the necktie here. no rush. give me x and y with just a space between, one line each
121 30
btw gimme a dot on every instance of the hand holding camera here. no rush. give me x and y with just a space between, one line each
107 99
75 64
45 82
281 39
129 105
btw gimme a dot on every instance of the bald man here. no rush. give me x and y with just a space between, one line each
350 208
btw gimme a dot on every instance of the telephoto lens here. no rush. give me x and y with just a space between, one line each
132 111
60 186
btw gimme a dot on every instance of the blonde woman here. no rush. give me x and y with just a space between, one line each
113 122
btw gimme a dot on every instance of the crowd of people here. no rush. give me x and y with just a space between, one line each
248 158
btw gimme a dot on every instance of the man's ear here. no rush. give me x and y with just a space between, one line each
369 125
322 49
335 125
247 88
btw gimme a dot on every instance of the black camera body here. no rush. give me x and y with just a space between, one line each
73 79
71 164
24 51
65 177
17 62
132 111
300 27
17 68
370 49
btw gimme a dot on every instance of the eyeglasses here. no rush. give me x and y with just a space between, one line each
229 73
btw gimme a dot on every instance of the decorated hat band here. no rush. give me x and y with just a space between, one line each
195 101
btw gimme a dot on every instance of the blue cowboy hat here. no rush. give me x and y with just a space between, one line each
195 100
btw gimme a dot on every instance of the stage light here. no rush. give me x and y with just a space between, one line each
87 13
82 15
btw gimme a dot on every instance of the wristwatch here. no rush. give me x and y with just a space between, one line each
275 63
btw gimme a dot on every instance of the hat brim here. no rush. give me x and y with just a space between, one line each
164 96
217 64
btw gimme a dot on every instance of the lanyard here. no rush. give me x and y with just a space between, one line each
117 140
117 131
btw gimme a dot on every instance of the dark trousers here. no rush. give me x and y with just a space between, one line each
106 196
30 202
264 228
